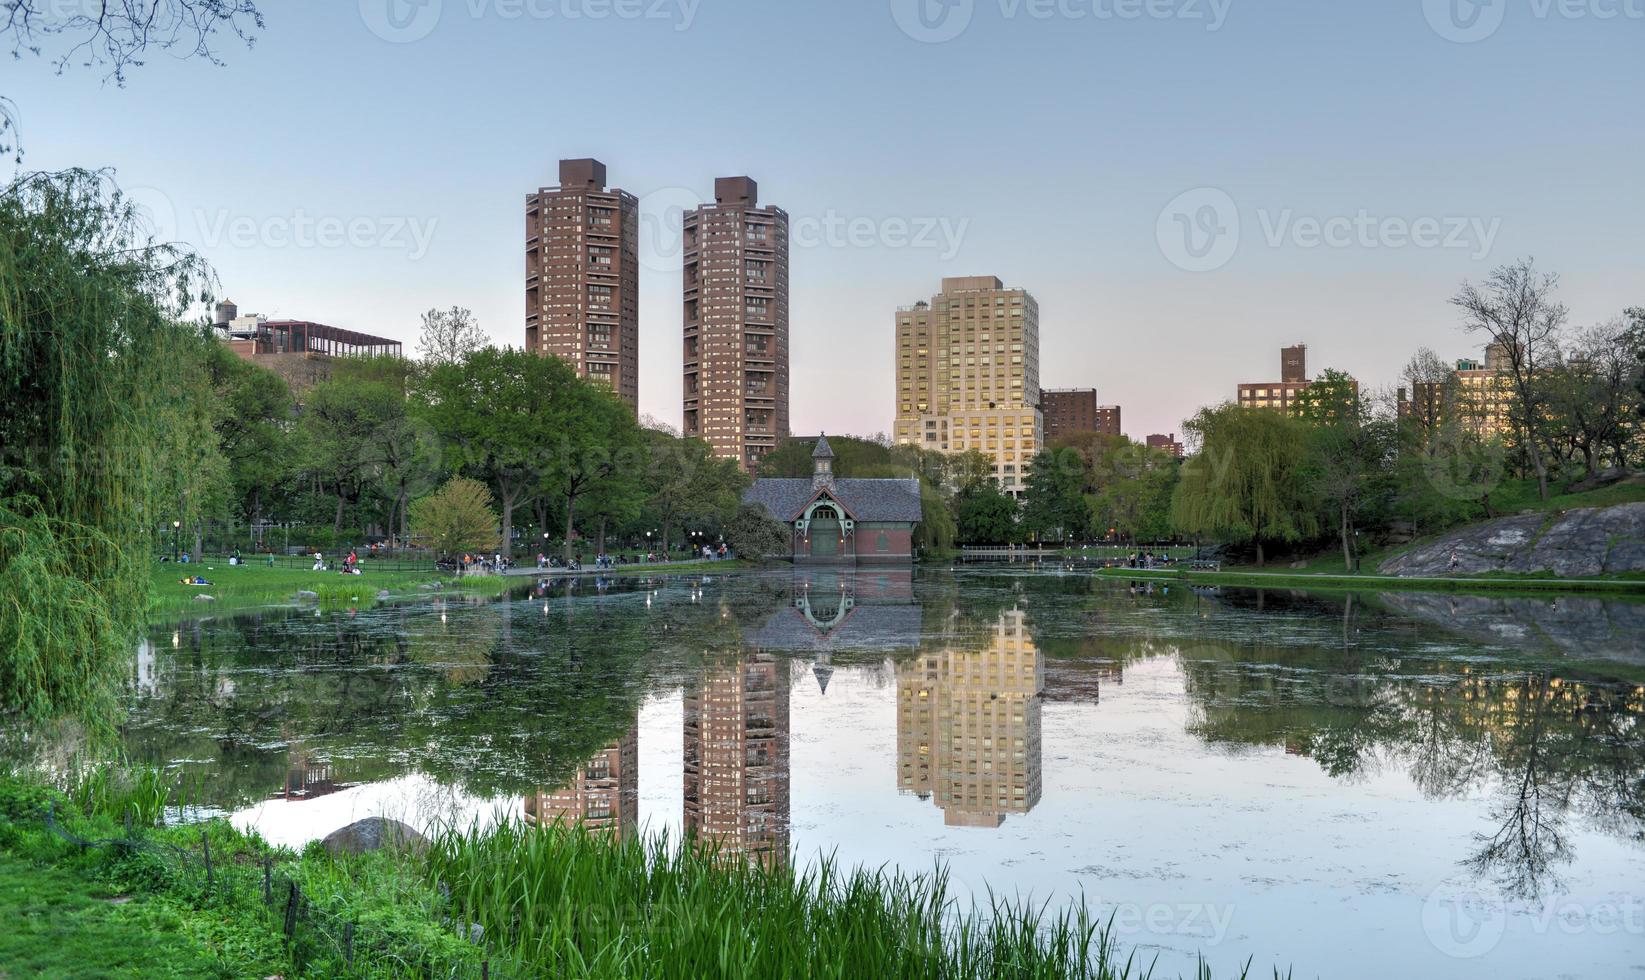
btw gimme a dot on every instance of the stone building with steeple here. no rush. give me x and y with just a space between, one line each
842 521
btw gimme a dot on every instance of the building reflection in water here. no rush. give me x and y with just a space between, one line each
604 794
736 758
968 727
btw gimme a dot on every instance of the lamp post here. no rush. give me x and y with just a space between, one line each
176 546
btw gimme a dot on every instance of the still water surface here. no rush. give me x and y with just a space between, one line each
1347 786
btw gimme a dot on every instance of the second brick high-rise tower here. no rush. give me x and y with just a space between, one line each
736 323
583 277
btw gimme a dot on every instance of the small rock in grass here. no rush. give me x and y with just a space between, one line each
371 834
202 597
306 594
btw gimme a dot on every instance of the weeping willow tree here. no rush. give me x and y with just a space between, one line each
1244 485
89 305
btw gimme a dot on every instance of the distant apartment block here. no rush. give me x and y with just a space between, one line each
1070 410
735 394
1281 394
300 351
968 374
604 794
582 277
1168 443
1481 393
968 727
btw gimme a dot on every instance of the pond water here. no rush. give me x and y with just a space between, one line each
1348 786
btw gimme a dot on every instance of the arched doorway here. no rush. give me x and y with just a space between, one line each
824 529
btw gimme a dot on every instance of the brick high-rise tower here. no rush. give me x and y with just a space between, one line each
582 269
736 323
736 758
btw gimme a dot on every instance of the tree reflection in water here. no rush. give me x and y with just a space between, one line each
510 699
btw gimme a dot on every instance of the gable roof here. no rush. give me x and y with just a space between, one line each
867 500
822 450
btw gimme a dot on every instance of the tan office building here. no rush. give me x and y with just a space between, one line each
736 323
968 727
968 374
583 277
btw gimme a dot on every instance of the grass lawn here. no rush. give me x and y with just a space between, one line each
513 902
63 924
252 585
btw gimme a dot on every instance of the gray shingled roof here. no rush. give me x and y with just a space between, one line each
822 449
866 628
867 500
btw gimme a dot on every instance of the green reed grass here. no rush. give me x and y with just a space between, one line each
572 902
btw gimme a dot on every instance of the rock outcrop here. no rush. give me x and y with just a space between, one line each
1590 541
1579 627
373 833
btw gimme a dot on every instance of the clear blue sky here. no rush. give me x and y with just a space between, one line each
1047 136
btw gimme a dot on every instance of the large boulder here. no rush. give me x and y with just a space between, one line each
1586 542
371 834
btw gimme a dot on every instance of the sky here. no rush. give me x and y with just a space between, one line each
1185 186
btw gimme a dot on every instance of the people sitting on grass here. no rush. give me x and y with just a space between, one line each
194 580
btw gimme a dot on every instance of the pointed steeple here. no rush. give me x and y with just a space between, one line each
822 463
823 669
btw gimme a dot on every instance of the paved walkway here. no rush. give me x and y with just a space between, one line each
637 568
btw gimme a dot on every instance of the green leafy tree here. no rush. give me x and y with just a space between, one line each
87 302
1134 484
683 481
1054 505
599 446
1331 399
351 429
755 535
253 425
984 514
457 518
512 419
1348 469
934 538
1243 485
